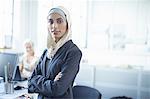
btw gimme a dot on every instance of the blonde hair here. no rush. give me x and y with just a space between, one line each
29 41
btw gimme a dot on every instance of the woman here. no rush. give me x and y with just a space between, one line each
28 61
59 63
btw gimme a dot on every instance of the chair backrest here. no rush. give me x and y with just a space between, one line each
85 92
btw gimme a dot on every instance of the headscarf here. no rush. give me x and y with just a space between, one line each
51 44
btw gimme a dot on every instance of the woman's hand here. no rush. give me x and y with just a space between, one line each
58 76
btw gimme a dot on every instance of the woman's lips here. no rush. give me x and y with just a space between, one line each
56 32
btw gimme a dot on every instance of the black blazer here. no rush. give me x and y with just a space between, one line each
66 60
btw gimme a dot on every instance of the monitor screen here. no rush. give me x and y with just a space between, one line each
5 59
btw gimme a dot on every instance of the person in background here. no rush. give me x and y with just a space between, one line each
28 60
58 66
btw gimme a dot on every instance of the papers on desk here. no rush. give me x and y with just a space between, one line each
22 83
14 95
19 94
25 96
1 85
28 96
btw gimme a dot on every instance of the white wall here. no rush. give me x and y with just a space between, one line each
112 82
25 23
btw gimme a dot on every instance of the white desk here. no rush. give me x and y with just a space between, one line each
17 92
13 95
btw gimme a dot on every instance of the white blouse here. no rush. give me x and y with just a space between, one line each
28 67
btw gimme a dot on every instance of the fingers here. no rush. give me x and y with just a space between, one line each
58 76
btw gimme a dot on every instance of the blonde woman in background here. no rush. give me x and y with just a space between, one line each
28 60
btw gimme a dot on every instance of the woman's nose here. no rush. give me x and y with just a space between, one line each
54 25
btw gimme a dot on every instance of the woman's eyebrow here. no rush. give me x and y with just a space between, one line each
59 19
56 19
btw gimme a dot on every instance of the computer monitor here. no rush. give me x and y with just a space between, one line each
5 59
17 75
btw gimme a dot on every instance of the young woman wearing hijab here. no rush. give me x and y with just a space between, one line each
59 64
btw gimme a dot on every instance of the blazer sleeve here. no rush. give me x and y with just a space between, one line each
36 72
69 70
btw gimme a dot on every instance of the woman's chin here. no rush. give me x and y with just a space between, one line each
57 37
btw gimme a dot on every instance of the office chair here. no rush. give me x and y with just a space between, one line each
85 92
121 97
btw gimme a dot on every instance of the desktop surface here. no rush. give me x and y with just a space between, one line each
18 93
14 95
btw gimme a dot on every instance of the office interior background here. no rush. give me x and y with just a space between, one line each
114 36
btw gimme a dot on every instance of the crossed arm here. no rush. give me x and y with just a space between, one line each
57 87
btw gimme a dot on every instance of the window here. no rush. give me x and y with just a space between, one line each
115 24
6 23
118 32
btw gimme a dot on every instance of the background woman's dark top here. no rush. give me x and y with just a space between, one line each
66 60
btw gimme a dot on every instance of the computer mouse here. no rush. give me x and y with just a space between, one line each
18 88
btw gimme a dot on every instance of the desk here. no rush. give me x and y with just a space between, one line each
13 95
17 92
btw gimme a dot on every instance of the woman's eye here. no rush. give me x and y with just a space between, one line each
59 21
50 21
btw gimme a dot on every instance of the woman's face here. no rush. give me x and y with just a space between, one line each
57 25
29 48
